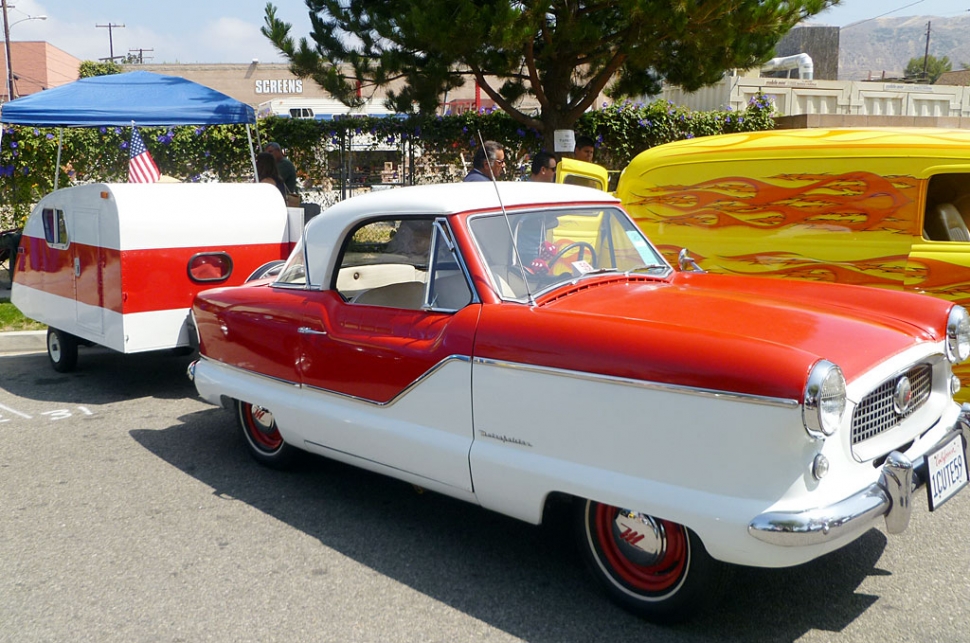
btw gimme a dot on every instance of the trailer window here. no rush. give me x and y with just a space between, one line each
207 267
55 228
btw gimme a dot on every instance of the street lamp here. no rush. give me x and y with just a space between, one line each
6 44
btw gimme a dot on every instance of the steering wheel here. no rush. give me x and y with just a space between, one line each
582 245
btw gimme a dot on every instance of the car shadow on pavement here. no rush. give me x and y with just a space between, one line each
102 376
523 580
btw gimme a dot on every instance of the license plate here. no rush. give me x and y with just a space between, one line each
948 472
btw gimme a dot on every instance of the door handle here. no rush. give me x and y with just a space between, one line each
304 330
77 266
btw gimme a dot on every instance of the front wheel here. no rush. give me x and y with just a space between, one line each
263 439
61 350
654 568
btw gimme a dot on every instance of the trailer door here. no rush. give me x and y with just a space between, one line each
88 270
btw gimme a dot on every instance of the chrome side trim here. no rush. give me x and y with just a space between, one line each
653 386
268 378
431 371
410 387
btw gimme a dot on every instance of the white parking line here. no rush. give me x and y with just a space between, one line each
10 410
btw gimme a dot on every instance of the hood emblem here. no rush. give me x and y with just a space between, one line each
903 396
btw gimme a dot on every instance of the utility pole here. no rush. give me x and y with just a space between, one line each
6 44
141 54
111 42
926 54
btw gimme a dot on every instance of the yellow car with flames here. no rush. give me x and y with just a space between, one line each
878 207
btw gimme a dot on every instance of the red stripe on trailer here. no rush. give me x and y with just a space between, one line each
151 280
158 279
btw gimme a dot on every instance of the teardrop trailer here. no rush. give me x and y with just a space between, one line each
118 265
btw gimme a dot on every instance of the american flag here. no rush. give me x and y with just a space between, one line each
141 167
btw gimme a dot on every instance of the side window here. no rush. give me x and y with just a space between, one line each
449 286
403 263
386 263
55 227
947 215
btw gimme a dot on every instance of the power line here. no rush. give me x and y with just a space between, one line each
882 15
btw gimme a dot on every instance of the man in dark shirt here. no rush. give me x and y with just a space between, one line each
489 162
286 168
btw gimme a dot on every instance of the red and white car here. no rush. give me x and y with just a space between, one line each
518 344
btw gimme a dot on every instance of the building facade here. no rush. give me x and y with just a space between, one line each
37 66
259 82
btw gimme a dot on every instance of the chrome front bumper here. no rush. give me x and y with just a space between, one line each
891 497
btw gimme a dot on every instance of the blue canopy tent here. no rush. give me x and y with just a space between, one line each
134 98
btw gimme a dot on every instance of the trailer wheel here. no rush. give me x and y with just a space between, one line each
62 350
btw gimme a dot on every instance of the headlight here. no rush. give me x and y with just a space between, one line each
824 399
958 335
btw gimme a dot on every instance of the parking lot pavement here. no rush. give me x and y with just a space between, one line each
25 341
19 342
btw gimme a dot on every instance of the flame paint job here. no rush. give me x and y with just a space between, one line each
838 206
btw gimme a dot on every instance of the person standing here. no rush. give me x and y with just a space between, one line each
585 146
268 172
544 167
285 166
488 162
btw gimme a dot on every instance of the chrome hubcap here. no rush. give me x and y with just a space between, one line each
640 538
54 347
262 419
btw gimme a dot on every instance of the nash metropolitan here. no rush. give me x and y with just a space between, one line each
516 345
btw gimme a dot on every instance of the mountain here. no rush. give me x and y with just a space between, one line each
871 48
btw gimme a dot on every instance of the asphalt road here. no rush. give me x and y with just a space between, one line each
129 511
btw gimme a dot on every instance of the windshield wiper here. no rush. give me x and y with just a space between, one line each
649 268
598 271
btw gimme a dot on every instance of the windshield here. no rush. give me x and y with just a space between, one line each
530 252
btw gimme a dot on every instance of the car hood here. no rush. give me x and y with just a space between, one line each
755 336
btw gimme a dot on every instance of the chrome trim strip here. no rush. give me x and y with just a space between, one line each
431 371
461 262
410 387
270 378
355 456
891 497
653 386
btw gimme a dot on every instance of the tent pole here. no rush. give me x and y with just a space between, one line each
252 151
57 166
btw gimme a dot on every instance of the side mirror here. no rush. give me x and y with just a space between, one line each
686 262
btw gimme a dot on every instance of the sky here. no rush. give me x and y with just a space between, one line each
223 31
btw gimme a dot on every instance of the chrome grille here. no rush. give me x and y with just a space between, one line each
875 413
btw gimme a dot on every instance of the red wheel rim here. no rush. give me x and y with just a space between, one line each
659 577
261 428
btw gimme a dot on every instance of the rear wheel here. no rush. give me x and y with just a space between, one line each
654 568
62 350
262 436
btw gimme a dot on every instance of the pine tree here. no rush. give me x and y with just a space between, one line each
562 52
